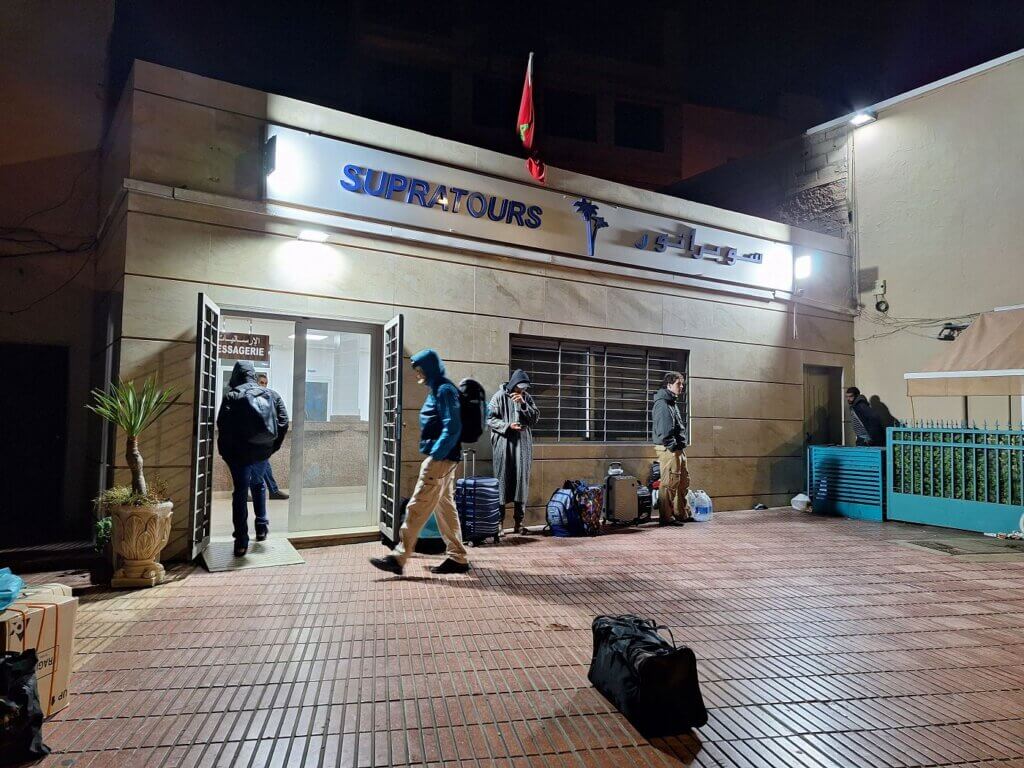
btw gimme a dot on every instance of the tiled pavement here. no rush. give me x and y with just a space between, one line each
820 643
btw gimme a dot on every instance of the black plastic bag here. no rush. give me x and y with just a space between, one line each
651 681
21 717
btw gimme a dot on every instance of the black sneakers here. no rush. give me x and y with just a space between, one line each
389 564
241 549
450 566
278 495
261 534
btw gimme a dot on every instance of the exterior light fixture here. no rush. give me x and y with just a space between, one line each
863 117
311 337
313 236
802 267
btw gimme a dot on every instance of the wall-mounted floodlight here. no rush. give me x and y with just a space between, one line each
863 117
802 267
313 235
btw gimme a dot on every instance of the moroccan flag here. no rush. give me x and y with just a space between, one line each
526 122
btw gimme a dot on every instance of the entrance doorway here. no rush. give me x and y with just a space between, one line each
326 470
823 405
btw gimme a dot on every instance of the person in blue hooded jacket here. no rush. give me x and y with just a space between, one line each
440 443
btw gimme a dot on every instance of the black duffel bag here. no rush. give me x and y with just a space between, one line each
651 681
21 717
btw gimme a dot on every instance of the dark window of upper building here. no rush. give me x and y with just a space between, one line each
639 126
409 96
496 103
569 115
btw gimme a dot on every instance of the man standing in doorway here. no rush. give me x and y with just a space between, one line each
669 443
866 424
251 426
440 442
511 416
272 488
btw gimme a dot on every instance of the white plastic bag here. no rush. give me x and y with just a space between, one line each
800 502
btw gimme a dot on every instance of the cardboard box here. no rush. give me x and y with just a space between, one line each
46 622
61 590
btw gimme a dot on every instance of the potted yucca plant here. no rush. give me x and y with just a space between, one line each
140 514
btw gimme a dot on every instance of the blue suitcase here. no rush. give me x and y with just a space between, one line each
476 498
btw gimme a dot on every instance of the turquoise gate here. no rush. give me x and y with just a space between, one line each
956 476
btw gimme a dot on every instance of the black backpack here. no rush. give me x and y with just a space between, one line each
472 406
253 415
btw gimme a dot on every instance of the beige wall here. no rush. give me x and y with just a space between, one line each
939 191
746 364
746 369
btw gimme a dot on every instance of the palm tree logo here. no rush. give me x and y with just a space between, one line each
588 212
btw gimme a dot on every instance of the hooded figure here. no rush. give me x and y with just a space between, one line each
511 417
441 444
251 426
440 416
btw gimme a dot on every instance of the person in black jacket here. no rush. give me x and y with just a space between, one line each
866 424
251 426
669 443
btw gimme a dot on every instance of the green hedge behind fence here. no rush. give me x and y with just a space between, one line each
966 464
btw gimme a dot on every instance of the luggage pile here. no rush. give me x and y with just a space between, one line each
583 508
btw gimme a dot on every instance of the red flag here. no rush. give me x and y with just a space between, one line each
526 123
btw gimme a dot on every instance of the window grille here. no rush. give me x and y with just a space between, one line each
595 393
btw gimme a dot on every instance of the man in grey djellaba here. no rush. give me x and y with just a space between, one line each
511 417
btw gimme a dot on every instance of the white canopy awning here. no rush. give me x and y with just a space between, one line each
986 359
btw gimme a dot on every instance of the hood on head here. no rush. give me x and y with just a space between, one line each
428 361
518 377
244 372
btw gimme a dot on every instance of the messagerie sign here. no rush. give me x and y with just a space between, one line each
328 174
244 346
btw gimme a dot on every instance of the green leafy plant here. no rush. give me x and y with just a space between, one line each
133 412
102 531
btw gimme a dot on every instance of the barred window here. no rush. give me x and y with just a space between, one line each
594 392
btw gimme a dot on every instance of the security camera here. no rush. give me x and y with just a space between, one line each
882 306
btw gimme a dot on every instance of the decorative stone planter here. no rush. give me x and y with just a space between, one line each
139 534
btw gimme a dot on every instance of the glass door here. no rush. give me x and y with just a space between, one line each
336 434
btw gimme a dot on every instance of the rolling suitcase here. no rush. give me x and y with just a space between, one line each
476 498
621 506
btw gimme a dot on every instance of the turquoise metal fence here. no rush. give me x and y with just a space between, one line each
847 480
962 477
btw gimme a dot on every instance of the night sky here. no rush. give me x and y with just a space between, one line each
739 55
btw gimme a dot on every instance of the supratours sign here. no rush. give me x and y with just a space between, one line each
326 174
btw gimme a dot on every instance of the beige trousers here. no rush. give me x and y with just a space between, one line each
435 492
675 482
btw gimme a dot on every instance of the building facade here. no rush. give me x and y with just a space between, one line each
312 231
928 195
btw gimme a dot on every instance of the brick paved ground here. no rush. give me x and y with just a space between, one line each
820 642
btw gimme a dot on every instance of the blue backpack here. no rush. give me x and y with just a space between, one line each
562 515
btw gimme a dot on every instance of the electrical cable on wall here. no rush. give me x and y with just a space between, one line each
23 236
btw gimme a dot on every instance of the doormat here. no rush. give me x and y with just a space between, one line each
972 547
276 550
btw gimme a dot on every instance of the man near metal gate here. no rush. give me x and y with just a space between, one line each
866 424
440 442
669 443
